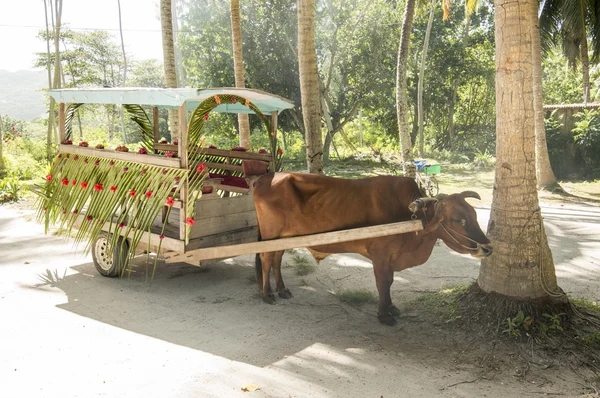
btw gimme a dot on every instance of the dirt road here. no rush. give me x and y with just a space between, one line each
204 332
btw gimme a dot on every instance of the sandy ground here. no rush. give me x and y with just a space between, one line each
204 331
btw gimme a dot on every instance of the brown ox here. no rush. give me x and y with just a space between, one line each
294 204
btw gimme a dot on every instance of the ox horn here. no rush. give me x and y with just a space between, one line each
420 203
470 194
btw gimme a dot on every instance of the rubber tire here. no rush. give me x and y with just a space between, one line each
433 187
119 255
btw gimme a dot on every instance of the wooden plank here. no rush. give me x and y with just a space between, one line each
167 147
238 154
231 205
223 166
150 159
230 188
321 239
183 157
243 235
223 223
61 122
155 125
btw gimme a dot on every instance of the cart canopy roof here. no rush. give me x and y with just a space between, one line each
172 97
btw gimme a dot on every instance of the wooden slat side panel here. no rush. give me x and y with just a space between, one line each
224 206
126 156
236 237
224 223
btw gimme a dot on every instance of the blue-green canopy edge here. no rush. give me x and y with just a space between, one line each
172 98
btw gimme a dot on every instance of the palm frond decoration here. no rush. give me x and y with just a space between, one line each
139 116
69 115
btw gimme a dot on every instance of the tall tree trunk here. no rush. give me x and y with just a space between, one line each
124 83
585 67
309 85
180 71
57 65
238 67
166 24
455 83
401 92
544 173
521 265
49 68
422 76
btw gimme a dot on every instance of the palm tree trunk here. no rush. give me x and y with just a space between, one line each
422 76
544 173
585 68
124 83
51 109
455 84
401 92
2 165
309 85
238 67
166 23
521 265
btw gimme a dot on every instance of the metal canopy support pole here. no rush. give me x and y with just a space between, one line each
61 123
183 164
274 132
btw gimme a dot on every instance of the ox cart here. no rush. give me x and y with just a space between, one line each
182 200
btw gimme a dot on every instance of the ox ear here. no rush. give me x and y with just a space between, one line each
441 196
420 203
470 194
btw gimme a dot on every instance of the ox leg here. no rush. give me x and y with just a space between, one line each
279 285
267 263
384 277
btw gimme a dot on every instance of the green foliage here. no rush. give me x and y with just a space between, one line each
587 304
10 189
587 137
522 323
442 305
558 145
302 264
358 296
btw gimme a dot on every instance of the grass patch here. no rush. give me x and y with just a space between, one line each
303 265
358 296
442 305
587 304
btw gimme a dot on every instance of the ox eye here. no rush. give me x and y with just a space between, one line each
463 222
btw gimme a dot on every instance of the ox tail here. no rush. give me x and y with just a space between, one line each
258 265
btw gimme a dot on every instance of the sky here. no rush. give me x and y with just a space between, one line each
21 20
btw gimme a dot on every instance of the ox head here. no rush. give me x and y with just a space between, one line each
454 221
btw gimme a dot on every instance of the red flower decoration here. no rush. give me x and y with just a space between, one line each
97 163
121 225
176 142
212 147
99 146
177 179
13 129
164 142
169 154
58 156
75 157
164 172
65 181
84 185
83 143
113 189
98 187
132 192
238 149
170 201
161 237
49 177
149 194
89 218
125 169
190 221
233 100
279 151
143 151
206 116
111 163
74 211
143 171
84 160
262 150
74 182
67 142
200 168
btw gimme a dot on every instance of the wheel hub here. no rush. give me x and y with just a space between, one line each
103 254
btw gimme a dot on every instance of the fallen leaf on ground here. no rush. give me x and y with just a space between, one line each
26 262
250 387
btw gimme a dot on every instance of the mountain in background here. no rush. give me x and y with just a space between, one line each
21 94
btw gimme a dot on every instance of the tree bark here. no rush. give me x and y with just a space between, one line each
51 109
401 92
124 83
238 67
544 173
166 23
585 67
455 84
2 165
422 76
309 85
521 266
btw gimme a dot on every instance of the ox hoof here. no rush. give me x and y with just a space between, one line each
387 319
393 310
285 294
269 298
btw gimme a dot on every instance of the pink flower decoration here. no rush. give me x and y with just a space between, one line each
161 237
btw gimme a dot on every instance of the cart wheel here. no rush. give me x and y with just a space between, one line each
107 263
432 187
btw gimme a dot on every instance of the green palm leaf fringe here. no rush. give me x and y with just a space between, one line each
69 115
195 147
126 197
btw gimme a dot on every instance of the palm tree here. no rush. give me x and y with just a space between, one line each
166 23
238 66
309 85
406 154
521 266
124 70
2 166
422 75
569 23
